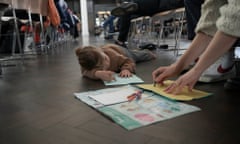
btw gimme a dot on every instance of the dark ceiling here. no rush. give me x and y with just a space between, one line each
104 1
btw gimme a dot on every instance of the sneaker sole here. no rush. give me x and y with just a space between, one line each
211 78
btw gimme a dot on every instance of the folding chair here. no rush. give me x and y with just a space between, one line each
37 10
171 21
16 6
138 33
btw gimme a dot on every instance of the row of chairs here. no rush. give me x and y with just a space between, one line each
31 12
158 29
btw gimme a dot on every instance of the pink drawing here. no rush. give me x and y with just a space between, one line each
144 117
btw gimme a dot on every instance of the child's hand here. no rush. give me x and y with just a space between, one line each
105 75
125 73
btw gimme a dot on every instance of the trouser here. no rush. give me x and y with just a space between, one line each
109 22
193 13
145 8
138 55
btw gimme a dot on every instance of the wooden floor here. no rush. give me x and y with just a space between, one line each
37 106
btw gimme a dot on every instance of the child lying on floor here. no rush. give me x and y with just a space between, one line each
101 63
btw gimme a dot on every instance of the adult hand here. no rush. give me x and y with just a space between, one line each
105 75
125 73
160 74
188 80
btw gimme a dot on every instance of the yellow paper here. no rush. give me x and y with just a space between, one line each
185 95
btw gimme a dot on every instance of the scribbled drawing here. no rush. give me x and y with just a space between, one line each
154 109
123 106
129 107
175 108
163 105
133 109
159 115
144 117
167 111
148 100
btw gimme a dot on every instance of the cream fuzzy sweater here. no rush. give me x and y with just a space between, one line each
222 15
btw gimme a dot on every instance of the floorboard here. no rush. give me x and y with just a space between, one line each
37 106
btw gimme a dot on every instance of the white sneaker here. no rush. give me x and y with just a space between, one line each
222 69
237 53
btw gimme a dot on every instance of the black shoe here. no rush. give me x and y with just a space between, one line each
232 84
122 44
124 9
108 37
148 46
164 46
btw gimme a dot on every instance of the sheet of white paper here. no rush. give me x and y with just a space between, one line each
113 97
121 81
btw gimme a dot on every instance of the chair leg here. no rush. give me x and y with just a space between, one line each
179 32
3 7
16 35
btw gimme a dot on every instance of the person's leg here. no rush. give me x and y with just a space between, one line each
125 8
111 25
138 7
193 13
106 23
124 25
146 7
165 5
140 55
108 27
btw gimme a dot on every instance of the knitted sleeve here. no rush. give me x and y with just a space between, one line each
229 21
220 15
209 15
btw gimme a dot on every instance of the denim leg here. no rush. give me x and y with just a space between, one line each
193 13
111 25
109 22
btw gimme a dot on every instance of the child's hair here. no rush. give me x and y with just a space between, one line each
89 57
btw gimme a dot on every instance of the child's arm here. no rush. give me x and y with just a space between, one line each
128 67
125 73
105 75
120 61
99 74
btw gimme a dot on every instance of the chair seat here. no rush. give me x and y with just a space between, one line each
21 14
3 6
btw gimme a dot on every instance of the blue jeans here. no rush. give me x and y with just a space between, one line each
109 22
193 13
